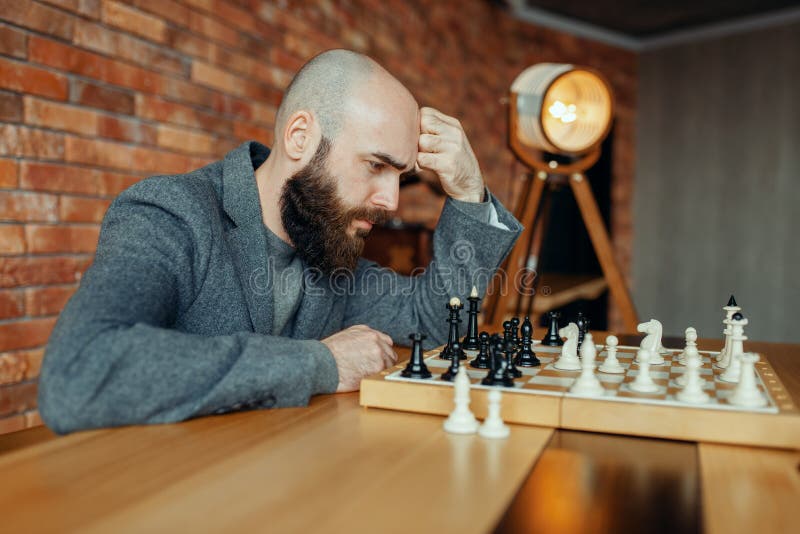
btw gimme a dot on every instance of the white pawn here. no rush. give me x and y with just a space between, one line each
587 384
691 341
569 351
746 393
611 364
493 426
461 419
643 383
692 392
691 352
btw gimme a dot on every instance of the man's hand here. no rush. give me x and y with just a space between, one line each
445 151
359 351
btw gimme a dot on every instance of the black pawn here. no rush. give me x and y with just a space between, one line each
483 360
452 336
416 367
515 331
506 331
526 356
510 349
455 363
551 338
471 340
583 326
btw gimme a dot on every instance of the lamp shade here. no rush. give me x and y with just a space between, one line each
562 108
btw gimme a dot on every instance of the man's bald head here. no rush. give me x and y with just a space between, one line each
324 85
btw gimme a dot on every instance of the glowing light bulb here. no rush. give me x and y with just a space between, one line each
563 112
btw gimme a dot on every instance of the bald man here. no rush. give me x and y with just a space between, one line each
240 286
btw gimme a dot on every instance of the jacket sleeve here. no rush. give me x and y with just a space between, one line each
113 358
467 250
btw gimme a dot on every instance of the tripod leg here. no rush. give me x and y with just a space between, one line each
602 247
519 254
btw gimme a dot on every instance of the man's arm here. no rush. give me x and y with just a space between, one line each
113 359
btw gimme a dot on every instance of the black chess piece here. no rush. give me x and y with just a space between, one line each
506 331
447 352
510 349
551 338
515 331
482 361
498 374
471 340
583 326
732 302
416 367
526 356
455 363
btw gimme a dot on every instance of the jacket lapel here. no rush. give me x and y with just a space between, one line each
247 240
316 312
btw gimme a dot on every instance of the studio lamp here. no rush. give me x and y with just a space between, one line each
559 115
560 109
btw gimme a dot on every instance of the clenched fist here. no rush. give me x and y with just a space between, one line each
445 151
359 351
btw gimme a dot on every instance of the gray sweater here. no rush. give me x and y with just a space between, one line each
175 318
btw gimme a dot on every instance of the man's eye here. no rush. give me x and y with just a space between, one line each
376 166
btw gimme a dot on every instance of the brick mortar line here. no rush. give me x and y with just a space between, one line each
26 319
70 255
39 286
58 224
60 193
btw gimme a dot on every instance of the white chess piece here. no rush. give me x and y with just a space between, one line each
736 348
587 384
746 393
493 426
461 419
729 312
691 352
692 392
643 383
568 361
611 364
691 341
652 341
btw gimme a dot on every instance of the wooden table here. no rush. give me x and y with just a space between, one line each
337 467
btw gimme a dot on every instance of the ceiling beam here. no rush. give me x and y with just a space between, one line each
522 11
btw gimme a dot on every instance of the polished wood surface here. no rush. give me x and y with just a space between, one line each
336 466
585 482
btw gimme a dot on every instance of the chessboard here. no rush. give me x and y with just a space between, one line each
541 397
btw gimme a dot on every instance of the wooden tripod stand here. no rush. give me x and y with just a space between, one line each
527 213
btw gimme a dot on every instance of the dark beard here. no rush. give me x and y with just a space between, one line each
316 219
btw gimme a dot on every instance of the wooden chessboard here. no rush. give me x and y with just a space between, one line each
541 397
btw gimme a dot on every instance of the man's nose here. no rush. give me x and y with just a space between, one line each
387 196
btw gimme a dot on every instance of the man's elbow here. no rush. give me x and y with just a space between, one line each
55 408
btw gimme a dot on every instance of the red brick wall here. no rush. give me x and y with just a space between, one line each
97 94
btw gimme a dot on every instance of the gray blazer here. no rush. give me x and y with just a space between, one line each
173 320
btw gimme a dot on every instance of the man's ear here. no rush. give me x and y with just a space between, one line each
297 138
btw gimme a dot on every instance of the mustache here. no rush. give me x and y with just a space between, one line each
376 216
